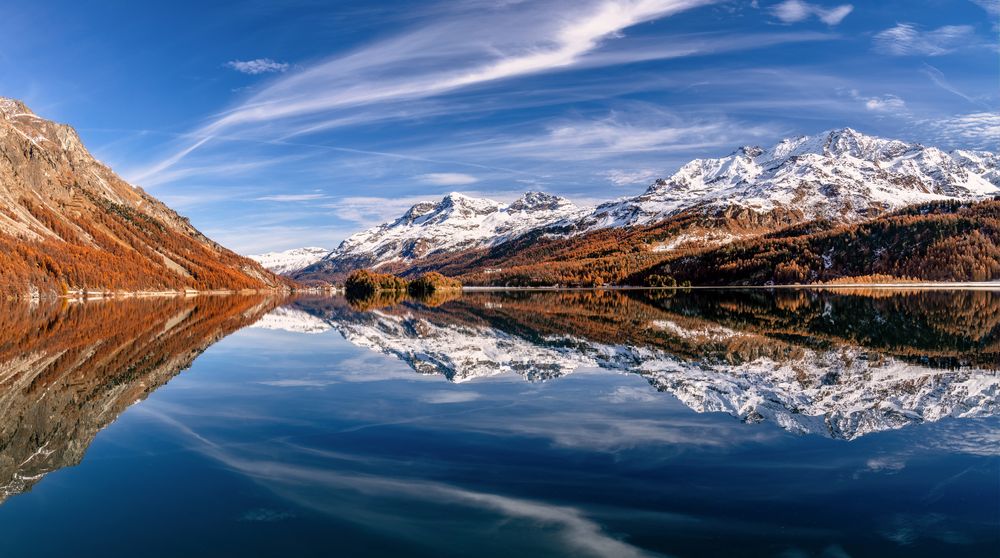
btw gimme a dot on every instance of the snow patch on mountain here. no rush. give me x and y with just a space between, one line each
290 261
841 175
457 222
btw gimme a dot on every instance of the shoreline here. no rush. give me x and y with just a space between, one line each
82 296
929 285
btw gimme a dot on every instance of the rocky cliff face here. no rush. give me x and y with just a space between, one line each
67 223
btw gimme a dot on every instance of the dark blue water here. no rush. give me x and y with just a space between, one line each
593 427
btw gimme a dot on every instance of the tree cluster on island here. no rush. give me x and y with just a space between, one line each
367 289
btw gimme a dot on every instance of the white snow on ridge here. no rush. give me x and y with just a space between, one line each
290 261
457 222
841 175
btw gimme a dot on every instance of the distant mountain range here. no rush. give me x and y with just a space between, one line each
839 177
69 224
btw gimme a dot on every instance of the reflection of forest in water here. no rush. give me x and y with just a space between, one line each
841 364
943 329
67 370
838 364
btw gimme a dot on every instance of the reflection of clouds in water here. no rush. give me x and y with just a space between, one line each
631 395
265 515
971 437
610 433
351 496
889 464
907 529
303 382
442 397
373 367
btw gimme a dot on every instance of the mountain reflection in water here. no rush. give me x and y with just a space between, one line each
67 370
279 443
837 363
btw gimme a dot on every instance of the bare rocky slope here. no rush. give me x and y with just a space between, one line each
69 223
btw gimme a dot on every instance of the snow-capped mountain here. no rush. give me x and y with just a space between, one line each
457 222
290 261
841 175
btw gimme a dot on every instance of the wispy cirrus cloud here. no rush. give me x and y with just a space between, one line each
977 129
907 39
473 49
291 197
622 177
447 178
258 66
639 130
886 103
794 11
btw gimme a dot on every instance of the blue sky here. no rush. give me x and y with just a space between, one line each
278 124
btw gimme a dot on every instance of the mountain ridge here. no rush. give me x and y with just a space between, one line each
69 224
842 176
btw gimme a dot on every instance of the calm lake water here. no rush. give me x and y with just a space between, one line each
640 423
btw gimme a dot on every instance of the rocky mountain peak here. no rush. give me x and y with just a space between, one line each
538 201
57 199
10 107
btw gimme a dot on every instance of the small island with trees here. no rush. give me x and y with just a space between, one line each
366 288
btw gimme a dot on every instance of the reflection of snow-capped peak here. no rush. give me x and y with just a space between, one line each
460 353
293 320
841 393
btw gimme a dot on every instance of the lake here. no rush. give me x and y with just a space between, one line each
579 423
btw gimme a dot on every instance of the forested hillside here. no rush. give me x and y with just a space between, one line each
68 223
946 241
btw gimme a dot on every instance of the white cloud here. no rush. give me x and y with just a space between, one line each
887 103
991 6
939 79
258 66
975 130
642 129
794 11
291 197
905 39
470 48
621 177
448 178
368 211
